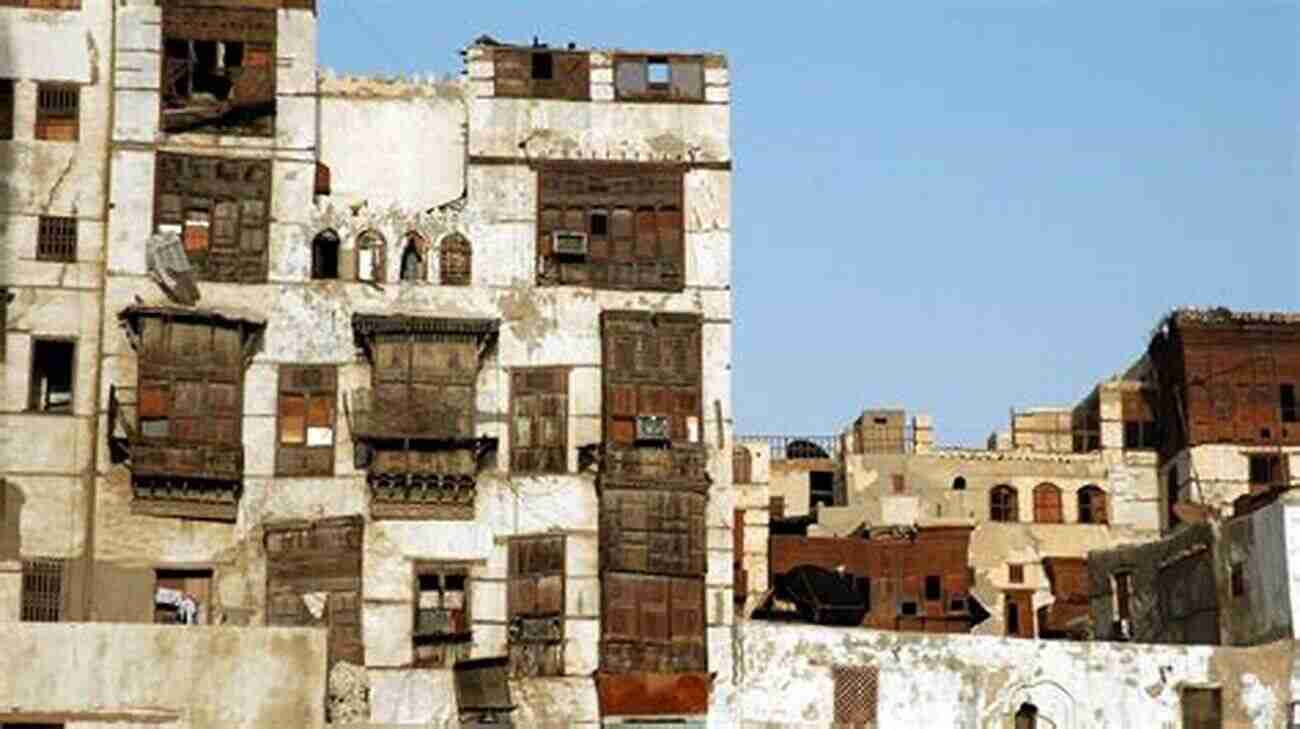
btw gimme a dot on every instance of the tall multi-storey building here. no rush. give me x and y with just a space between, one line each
441 367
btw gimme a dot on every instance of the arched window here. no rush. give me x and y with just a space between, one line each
1047 504
741 465
1004 504
414 260
1027 717
959 483
325 255
1092 505
370 257
455 259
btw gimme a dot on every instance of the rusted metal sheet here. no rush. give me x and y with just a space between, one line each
305 559
653 694
631 214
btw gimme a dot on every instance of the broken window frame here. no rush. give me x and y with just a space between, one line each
535 604
58 112
633 70
539 405
56 239
38 395
1004 504
44 587
1048 504
296 383
455 261
255 29
229 197
442 648
1094 507
643 204
7 109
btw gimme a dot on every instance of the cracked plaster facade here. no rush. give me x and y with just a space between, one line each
399 151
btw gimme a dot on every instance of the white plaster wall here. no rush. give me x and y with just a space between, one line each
969 682
152 674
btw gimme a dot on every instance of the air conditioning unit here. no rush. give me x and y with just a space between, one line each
652 427
569 243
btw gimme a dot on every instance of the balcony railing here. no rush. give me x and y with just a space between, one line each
796 447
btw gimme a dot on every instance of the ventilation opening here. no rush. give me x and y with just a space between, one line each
543 66
959 483
52 371
657 72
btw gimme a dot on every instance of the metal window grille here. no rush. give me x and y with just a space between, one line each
42 590
856 696
57 111
56 240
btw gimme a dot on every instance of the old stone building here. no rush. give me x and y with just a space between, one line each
441 367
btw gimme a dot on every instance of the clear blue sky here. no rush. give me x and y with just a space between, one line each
953 209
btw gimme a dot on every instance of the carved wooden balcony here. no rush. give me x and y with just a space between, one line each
678 467
196 481
376 417
434 482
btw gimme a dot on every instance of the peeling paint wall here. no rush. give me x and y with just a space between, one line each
971 682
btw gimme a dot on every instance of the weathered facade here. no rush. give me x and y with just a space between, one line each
439 367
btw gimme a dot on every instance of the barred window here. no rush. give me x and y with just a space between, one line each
856 696
1003 504
57 112
42 590
56 239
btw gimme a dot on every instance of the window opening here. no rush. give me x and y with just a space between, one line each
1202 708
6 108
959 483
1267 470
1013 618
307 403
218 70
42 590
1123 593
539 406
821 486
599 223
776 507
543 66
57 112
53 369
1027 717
933 588
1238 579
1016 573
455 259
1092 505
325 256
536 606
1286 395
413 259
370 257
899 483
442 632
1047 504
1171 491
1002 504
908 608
182 597
657 72
56 239
856 695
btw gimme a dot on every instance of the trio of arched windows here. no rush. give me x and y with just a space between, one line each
370 264
1004 504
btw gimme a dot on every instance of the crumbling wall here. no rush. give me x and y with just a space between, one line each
970 682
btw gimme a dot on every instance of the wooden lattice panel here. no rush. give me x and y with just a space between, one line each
856 691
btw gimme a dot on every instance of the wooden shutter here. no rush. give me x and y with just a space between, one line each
1047 504
539 420
688 624
308 396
